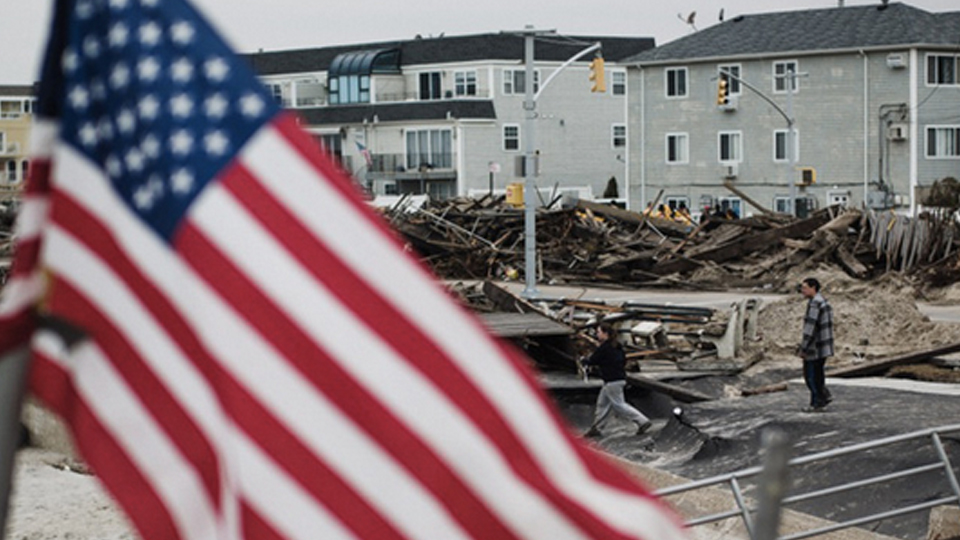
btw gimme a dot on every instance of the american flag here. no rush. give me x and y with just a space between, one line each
240 347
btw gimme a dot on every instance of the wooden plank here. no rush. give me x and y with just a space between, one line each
876 367
680 394
744 244
513 325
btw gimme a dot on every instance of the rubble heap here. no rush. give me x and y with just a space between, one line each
591 243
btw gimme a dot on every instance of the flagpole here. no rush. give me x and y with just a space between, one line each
13 374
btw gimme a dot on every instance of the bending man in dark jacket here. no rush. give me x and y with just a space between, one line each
611 360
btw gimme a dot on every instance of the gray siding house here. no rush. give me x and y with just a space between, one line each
444 116
876 105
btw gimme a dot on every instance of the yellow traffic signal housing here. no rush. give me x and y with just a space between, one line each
597 75
723 90
808 176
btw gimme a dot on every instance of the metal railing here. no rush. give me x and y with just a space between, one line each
734 481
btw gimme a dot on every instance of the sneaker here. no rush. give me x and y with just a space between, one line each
642 428
812 409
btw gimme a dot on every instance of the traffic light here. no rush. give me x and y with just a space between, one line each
596 75
723 90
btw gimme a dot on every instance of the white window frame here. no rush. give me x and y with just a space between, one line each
734 87
509 81
732 202
683 141
434 80
434 137
464 81
929 73
780 83
11 172
673 202
838 197
777 133
944 129
615 137
781 204
504 137
737 149
666 82
618 83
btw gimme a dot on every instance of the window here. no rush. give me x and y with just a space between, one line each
511 137
780 204
514 81
676 82
619 135
731 204
12 171
781 71
465 83
15 107
675 202
618 83
731 147
943 142
429 148
838 197
276 90
332 144
430 85
942 69
677 148
780 145
733 83
25 168
349 89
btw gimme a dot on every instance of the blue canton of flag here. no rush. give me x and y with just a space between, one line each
157 102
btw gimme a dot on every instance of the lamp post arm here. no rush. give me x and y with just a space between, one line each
564 65
763 96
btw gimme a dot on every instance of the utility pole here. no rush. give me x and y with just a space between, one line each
529 181
791 79
530 195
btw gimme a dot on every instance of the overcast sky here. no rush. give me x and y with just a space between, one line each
251 25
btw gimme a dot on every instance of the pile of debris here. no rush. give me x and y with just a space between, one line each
592 243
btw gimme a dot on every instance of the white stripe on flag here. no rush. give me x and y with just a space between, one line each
133 428
258 366
382 265
359 350
289 509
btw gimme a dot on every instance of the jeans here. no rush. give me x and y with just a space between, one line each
816 382
610 400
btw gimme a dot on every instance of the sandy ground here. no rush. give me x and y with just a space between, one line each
54 498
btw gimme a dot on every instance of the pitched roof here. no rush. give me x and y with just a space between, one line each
839 28
450 49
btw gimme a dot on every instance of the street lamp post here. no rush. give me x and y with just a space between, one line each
530 195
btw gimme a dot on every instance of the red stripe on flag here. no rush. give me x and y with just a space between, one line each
255 527
111 464
419 348
163 406
312 474
351 398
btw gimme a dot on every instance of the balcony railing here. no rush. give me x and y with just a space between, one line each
397 163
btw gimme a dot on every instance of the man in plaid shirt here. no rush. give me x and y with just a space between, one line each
817 343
